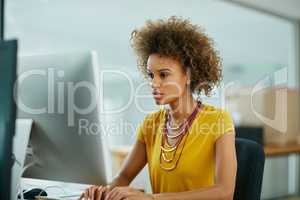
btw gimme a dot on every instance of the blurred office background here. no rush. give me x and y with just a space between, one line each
259 44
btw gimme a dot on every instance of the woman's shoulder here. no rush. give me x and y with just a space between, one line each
151 123
155 116
214 120
213 113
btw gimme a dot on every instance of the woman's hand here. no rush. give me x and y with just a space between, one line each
95 193
127 193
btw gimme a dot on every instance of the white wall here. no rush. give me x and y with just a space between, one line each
243 36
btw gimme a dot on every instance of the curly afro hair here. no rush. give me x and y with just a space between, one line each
179 39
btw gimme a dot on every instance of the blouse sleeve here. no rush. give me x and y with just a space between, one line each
143 129
141 133
224 124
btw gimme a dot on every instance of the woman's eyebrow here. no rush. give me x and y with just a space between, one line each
159 70
164 69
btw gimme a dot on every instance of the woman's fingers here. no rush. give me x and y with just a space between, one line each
112 194
118 193
86 194
99 193
93 193
119 196
81 196
106 190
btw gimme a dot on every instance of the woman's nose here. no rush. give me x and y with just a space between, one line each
155 83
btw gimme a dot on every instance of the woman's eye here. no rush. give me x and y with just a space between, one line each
150 75
163 75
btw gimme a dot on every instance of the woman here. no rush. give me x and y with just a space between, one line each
189 146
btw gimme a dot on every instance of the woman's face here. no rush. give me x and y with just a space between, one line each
167 79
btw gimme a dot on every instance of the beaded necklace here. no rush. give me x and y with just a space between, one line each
173 148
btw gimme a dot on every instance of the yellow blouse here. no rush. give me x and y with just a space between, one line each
195 153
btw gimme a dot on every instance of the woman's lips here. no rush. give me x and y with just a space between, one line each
157 95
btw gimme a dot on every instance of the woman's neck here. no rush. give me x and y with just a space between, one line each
182 108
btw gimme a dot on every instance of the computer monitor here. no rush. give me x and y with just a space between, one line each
2 14
8 59
1 20
60 92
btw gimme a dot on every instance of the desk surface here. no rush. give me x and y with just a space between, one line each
55 189
272 150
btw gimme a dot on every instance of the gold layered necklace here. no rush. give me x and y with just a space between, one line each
172 149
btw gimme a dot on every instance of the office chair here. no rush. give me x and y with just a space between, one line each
250 161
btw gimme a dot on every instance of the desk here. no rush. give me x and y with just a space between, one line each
120 153
56 189
272 150
60 190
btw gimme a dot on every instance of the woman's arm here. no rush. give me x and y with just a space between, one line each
134 163
226 166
